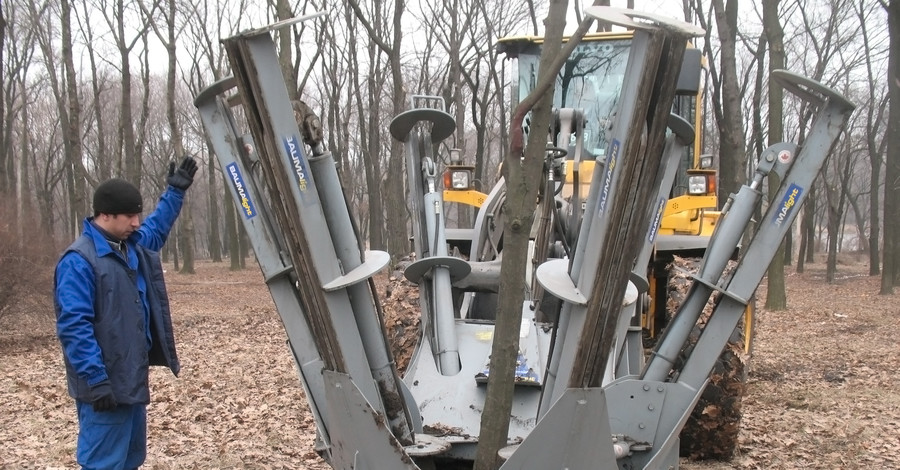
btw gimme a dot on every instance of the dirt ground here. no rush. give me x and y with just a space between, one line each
823 390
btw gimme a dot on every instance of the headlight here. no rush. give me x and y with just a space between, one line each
697 185
458 177
459 180
706 161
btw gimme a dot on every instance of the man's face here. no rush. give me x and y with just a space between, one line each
120 226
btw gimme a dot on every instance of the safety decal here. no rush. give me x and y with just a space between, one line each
608 174
785 156
241 189
298 163
787 204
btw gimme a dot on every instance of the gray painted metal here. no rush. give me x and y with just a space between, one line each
675 145
681 242
442 124
277 270
413 128
574 435
646 54
419 128
369 321
453 405
593 227
360 439
735 291
297 207
294 211
297 221
553 275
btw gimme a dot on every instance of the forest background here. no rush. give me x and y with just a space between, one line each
101 88
95 89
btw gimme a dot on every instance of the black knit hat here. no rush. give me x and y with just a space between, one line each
117 196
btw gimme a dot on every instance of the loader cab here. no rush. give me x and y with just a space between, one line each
592 80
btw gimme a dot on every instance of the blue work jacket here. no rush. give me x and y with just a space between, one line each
112 313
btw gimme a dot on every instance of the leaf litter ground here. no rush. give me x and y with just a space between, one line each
823 389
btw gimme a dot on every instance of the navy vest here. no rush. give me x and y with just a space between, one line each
119 325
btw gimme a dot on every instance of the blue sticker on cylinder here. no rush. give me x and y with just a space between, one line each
791 197
654 225
298 163
608 175
246 203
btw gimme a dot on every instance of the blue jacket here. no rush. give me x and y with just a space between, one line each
112 314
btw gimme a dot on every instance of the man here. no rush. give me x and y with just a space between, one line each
113 320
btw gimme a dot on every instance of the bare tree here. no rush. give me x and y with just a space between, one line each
205 23
891 260
835 179
776 299
726 95
73 133
485 81
40 18
4 130
100 86
522 169
16 57
388 40
369 116
837 53
120 17
167 35
875 142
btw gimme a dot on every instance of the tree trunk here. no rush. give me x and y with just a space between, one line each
185 220
891 263
522 183
133 167
284 35
396 213
776 298
732 161
5 155
875 150
79 204
369 117
805 235
214 238
232 237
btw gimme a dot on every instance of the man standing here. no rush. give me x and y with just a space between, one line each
113 320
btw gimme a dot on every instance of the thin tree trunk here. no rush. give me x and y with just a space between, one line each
214 238
396 211
522 183
776 298
232 236
891 260
732 161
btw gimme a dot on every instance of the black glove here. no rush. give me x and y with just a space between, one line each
102 398
182 177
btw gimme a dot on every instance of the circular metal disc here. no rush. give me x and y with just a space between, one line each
427 445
